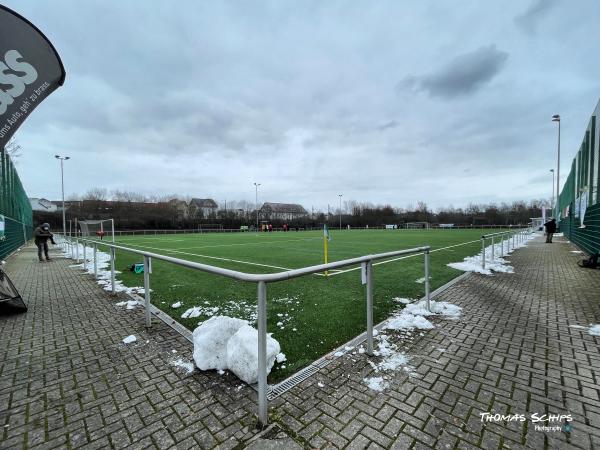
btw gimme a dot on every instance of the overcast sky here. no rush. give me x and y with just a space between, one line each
447 102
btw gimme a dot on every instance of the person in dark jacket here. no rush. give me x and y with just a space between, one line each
550 230
42 234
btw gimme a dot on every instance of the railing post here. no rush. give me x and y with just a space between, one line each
112 269
369 268
84 256
147 290
262 353
427 293
482 252
493 249
77 248
95 260
502 246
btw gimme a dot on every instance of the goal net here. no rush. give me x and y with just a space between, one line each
416 225
537 223
210 227
103 230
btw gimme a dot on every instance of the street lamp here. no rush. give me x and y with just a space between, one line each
62 183
256 185
556 118
340 196
552 203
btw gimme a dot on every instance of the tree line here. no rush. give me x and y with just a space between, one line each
133 210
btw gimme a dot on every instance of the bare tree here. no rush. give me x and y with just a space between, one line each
96 193
13 149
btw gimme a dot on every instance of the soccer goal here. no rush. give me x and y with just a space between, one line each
98 229
537 223
416 225
204 227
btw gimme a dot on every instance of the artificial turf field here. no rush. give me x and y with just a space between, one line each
311 315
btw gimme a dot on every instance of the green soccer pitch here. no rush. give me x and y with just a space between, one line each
309 316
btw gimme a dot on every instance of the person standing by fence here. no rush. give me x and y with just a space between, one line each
42 234
550 230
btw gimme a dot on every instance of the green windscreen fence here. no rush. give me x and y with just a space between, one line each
579 200
16 225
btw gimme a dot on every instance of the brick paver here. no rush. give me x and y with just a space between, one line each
66 377
514 350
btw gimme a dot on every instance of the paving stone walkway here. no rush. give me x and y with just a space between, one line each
68 381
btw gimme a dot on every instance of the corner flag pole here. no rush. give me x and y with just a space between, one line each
326 246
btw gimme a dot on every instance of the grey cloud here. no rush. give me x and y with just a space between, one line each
529 19
464 75
388 125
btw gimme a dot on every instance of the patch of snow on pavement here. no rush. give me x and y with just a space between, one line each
594 330
184 364
376 383
131 304
129 339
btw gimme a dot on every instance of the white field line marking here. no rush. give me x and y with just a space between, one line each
240 244
404 257
210 257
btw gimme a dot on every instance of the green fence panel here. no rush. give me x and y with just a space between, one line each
16 218
583 179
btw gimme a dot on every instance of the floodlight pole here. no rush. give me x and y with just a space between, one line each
340 196
62 183
552 203
556 118
256 185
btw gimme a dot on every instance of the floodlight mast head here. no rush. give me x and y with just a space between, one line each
556 118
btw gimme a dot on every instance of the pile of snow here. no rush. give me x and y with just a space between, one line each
210 341
440 308
129 339
227 343
413 315
407 321
103 266
473 263
242 354
176 305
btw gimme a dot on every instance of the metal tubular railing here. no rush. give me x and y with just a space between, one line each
366 263
505 236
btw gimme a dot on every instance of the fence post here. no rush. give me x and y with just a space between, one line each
427 294
77 248
147 290
370 307
493 249
84 255
112 269
483 252
262 353
95 260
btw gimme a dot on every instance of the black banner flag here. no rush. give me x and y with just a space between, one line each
30 70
